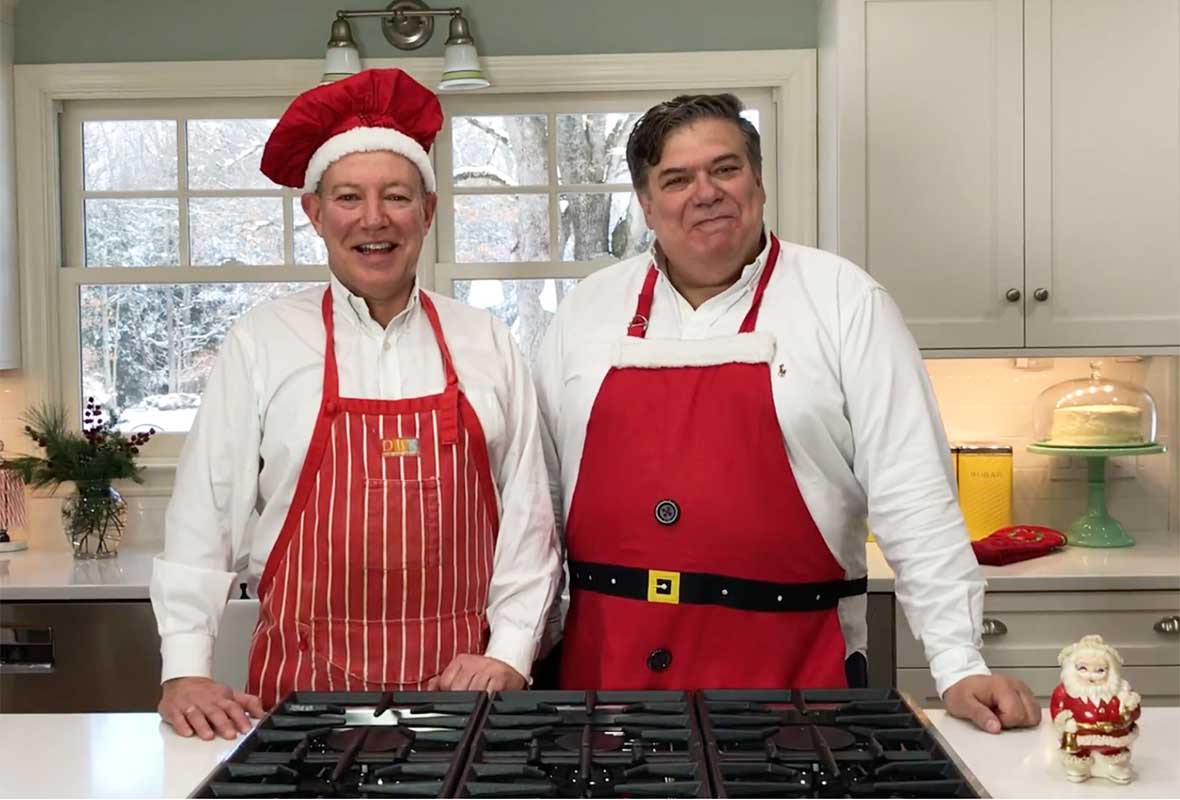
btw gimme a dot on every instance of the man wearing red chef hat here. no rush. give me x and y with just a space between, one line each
368 453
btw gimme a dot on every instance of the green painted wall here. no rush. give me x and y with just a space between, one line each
60 31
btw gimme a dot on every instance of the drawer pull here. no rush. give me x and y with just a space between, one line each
993 627
1168 625
26 649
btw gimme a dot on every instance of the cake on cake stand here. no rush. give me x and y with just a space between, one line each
1096 528
1095 418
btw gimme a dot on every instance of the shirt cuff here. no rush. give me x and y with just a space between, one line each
186 655
952 665
514 647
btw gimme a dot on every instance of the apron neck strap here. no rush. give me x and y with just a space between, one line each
331 376
752 315
638 325
448 413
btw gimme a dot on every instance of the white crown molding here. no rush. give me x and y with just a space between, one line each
508 74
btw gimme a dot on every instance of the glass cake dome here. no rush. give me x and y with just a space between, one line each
1094 412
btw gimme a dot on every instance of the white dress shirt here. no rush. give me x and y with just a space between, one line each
858 416
241 460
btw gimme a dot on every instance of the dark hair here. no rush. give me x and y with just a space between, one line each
646 143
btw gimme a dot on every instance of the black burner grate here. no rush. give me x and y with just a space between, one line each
353 744
588 744
825 743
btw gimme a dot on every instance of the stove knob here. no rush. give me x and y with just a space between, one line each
659 660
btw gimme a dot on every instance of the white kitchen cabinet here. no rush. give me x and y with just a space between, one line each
1009 170
1102 172
1024 632
9 294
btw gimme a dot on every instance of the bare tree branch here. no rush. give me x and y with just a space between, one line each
488 129
480 175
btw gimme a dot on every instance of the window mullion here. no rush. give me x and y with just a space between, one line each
288 228
184 256
554 205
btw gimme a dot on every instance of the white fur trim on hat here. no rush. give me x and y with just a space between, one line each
746 348
365 140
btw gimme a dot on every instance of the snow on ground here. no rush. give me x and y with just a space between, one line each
172 421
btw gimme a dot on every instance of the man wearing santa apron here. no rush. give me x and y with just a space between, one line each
369 453
722 414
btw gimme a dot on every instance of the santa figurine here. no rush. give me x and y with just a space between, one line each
1094 712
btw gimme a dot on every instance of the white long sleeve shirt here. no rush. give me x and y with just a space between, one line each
858 416
240 463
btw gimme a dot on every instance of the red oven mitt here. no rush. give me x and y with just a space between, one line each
1017 543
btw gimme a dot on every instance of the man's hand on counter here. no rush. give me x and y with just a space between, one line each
993 702
202 706
469 671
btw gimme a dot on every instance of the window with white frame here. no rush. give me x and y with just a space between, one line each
170 232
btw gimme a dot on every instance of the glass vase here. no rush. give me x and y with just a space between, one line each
94 517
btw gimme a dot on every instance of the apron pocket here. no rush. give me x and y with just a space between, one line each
402 524
341 645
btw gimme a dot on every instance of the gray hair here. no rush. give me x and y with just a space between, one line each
646 143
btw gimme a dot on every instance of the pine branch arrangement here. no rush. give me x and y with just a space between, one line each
100 452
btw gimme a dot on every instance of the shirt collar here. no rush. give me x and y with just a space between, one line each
358 309
744 282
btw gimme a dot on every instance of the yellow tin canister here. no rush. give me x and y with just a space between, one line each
984 476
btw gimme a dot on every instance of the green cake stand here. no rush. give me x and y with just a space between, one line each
1097 528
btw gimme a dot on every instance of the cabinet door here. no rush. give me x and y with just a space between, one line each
1102 152
944 192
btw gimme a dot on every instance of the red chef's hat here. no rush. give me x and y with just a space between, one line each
377 109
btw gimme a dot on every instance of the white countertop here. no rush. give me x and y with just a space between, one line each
136 755
1153 563
1023 763
37 574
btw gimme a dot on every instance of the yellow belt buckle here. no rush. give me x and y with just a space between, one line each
663 587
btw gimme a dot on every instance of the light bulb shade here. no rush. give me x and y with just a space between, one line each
340 62
461 70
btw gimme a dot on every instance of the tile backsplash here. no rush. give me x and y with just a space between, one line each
980 400
991 400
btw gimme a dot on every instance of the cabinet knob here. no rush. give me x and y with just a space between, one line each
993 627
1013 295
1168 625
1041 294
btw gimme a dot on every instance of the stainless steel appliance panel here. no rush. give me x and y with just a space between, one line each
70 657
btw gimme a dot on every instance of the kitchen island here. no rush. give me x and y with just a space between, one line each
135 755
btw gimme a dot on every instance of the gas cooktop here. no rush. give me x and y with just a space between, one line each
723 743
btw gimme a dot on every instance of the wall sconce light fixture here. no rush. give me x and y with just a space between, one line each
407 25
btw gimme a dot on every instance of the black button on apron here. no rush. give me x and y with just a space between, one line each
659 660
667 512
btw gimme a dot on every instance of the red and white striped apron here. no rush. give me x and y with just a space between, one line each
380 574
686 515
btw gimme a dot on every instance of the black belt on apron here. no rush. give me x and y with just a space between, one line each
702 588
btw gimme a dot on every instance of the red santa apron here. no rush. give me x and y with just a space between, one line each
694 562
380 574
